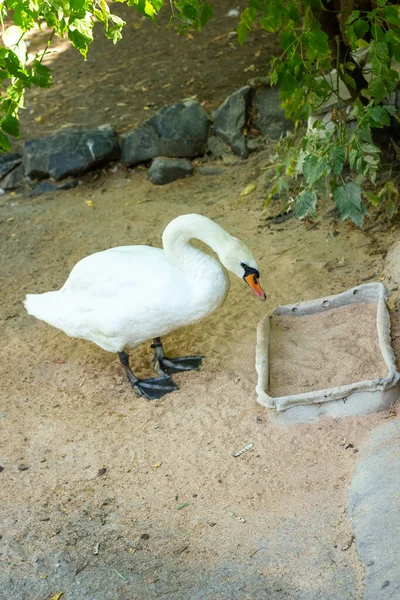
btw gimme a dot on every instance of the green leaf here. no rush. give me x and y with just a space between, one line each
287 82
317 42
348 200
337 157
353 16
273 14
377 89
206 13
314 168
247 19
5 145
349 81
10 125
306 204
360 28
85 27
391 14
372 198
287 39
370 148
77 4
41 75
380 116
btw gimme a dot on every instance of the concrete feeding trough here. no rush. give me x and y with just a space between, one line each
329 356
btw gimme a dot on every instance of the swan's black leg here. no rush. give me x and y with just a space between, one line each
167 366
153 388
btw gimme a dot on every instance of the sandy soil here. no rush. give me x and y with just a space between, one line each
338 347
86 462
104 495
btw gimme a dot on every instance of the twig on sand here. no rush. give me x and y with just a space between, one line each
81 568
120 575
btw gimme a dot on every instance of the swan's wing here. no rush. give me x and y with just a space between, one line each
126 294
119 271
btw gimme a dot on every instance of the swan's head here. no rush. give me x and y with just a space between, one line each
238 259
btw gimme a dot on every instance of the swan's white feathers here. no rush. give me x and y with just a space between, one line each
121 297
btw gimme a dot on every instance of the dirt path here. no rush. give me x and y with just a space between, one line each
125 84
104 495
155 486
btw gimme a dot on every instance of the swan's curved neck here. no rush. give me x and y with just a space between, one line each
176 241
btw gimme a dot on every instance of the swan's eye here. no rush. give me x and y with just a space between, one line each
250 271
255 280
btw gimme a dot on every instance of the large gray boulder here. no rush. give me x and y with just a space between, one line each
70 152
165 170
14 178
8 162
268 116
230 120
178 130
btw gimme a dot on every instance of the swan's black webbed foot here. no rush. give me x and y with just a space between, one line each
153 388
168 366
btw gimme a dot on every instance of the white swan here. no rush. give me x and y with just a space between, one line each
124 296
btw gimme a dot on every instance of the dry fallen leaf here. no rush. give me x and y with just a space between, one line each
9 220
57 596
89 203
248 189
38 119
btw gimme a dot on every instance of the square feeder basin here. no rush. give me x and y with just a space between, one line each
331 356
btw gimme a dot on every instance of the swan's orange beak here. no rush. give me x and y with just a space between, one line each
254 283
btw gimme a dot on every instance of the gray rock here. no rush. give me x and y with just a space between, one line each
256 143
70 152
268 116
210 171
374 503
51 186
216 147
178 130
8 162
230 119
165 170
14 178
392 265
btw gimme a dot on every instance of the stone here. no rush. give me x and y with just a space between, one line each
177 130
374 505
51 186
14 178
8 162
255 143
392 265
166 170
210 171
72 152
268 117
230 120
216 147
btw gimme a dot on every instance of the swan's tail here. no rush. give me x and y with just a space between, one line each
45 307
